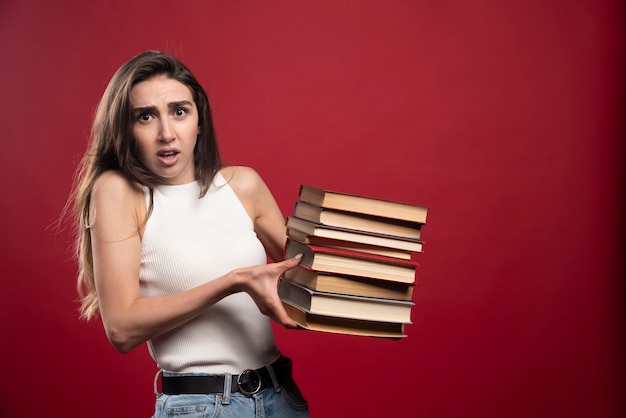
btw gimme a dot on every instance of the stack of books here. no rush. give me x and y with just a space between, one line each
357 272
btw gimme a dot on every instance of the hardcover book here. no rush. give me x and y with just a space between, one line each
344 306
348 326
349 285
366 223
302 229
334 260
362 204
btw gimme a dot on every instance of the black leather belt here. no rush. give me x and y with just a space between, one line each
247 382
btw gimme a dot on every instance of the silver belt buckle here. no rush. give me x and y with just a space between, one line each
249 382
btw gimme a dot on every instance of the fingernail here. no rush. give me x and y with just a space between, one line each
299 256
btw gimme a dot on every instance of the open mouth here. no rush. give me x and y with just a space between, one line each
168 157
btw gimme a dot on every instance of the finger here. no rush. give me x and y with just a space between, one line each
284 319
289 263
277 312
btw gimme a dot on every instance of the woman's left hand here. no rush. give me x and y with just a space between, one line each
260 282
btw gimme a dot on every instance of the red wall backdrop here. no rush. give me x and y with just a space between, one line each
503 117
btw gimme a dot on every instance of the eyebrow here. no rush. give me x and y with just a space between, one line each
171 105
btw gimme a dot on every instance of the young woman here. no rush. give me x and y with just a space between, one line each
173 246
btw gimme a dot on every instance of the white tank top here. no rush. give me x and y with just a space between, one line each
187 242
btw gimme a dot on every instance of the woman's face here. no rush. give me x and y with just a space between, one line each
165 127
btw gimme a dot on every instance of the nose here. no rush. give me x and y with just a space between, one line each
166 133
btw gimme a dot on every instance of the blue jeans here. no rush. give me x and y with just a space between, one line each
285 402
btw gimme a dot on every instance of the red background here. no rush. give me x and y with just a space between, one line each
503 117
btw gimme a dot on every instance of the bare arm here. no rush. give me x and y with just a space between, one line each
269 222
269 225
128 318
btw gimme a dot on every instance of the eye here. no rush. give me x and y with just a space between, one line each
144 117
180 112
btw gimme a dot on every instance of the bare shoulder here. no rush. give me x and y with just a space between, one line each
250 190
245 181
113 196
111 183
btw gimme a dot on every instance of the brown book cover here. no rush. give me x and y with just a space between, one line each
356 221
349 285
344 306
348 326
362 204
304 230
339 261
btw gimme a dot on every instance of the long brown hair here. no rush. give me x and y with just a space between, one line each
112 147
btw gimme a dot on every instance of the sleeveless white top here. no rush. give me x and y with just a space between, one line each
187 242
